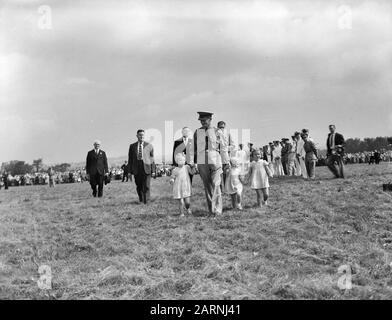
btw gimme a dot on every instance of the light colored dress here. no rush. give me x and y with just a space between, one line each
259 177
182 187
233 184
277 156
244 160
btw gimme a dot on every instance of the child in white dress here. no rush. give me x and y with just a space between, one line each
233 184
181 181
258 175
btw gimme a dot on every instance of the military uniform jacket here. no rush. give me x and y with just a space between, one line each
210 147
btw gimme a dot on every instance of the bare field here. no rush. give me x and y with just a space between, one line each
115 248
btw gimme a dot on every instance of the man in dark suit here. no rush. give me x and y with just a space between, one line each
4 176
335 152
97 168
184 145
124 168
141 165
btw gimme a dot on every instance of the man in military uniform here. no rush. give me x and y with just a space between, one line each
210 153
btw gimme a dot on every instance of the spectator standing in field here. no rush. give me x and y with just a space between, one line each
97 168
141 165
277 156
291 169
5 179
250 151
125 170
285 155
51 174
301 153
311 155
335 152
377 157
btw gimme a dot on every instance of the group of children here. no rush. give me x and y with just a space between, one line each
256 176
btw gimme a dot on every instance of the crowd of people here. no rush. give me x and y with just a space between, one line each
369 157
43 178
223 166
72 176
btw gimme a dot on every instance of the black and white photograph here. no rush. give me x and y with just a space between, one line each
194 150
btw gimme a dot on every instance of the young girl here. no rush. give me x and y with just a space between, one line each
233 184
181 182
258 175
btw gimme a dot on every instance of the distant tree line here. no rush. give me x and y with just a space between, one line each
18 167
368 144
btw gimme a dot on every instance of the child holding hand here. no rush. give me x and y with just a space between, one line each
258 176
233 184
182 188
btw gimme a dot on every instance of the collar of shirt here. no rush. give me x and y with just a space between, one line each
97 151
185 140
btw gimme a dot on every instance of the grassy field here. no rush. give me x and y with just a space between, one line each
115 248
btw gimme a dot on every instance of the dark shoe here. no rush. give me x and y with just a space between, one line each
100 195
94 194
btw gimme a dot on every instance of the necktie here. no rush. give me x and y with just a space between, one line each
331 142
139 153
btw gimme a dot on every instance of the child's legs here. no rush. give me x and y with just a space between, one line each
265 193
233 199
259 193
187 202
181 204
239 198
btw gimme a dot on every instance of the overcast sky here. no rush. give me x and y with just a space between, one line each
105 68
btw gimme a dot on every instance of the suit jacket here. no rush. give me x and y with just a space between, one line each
180 147
125 168
96 163
147 157
339 140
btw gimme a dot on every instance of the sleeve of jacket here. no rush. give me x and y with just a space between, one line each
88 162
174 152
191 153
223 146
152 159
195 147
341 140
130 160
105 162
314 149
